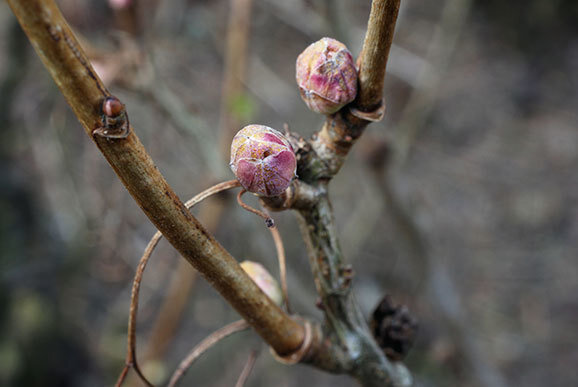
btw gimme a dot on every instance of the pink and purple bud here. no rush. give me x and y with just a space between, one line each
264 280
262 160
326 76
119 4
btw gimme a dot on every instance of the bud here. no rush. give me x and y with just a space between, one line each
326 76
262 160
264 280
119 4
394 328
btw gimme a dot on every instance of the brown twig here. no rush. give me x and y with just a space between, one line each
204 345
69 67
268 220
247 368
373 57
131 360
282 265
182 282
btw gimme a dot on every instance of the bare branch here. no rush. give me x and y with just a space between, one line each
131 360
340 131
373 58
69 67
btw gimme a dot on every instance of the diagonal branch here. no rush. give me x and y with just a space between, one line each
71 70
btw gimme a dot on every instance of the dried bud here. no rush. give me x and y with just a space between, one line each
264 280
263 160
393 328
326 76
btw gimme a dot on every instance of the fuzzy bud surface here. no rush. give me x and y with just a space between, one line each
326 75
262 160
264 280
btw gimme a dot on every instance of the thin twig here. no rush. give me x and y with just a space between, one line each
176 298
204 345
248 368
131 360
268 220
282 265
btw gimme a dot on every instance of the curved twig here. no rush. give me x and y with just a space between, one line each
248 368
204 345
71 70
282 265
131 360
268 220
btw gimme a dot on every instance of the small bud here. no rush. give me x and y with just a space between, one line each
112 107
264 280
263 160
394 328
119 4
326 76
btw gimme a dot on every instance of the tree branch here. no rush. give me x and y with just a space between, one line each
71 70
345 344
333 142
373 57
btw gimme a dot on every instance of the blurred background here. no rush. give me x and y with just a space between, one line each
461 203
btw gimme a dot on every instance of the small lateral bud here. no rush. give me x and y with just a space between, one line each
262 160
112 107
326 75
264 280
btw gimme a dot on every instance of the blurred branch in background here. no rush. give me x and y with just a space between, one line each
421 103
435 283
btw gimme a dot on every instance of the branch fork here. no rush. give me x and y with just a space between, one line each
344 343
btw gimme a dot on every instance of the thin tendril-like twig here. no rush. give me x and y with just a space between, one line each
248 368
131 361
282 265
204 345
268 220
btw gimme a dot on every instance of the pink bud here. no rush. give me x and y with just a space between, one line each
263 160
119 4
326 76
264 280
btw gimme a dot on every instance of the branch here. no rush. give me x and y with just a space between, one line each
334 140
71 70
373 58
345 344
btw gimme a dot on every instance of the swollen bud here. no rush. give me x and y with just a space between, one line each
264 280
326 76
262 160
